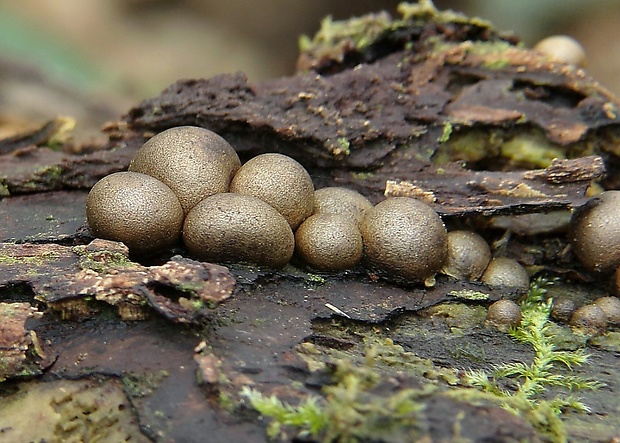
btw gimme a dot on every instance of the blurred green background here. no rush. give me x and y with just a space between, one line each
93 59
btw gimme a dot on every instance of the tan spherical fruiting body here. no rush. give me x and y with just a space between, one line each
504 314
468 255
562 48
589 320
563 309
329 242
194 162
342 201
280 181
611 307
238 228
404 237
506 272
135 209
595 233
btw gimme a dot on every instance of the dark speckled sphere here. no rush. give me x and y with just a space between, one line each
135 209
329 242
405 238
194 162
595 233
238 228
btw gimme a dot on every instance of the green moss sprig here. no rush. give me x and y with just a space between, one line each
354 408
532 381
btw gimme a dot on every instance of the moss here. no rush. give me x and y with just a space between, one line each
50 176
334 36
142 385
335 39
351 409
37 260
529 395
362 175
447 131
385 355
102 261
539 391
4 189
315 280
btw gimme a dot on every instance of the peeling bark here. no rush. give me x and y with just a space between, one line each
67 279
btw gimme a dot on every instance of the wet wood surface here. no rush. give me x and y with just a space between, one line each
377 120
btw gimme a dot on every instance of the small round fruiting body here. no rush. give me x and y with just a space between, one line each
135 209
238 228
589 320
595 233
342 201
562 48
280 181
563 309
194 162
406 238
468 255
611 307
329 242
506 272
504 314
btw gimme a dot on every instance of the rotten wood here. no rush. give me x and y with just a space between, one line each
453 190
390 117
51 133
68 279
21 353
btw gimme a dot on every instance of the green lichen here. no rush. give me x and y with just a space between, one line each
459 317
472 145
531 149
362 175
610 341
527 147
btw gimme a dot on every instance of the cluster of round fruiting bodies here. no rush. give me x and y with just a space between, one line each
594 236
188 183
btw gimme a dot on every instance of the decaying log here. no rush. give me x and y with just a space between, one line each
433 105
